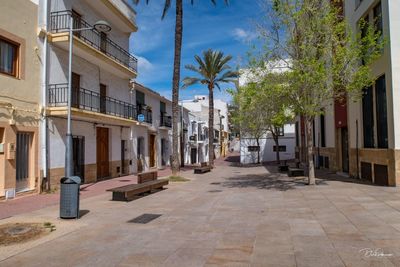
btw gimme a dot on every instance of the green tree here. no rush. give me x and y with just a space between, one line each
176 74
262 107
326 60
212 70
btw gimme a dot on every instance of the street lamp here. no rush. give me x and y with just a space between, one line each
100 26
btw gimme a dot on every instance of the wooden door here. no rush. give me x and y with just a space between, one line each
103 98
78 156
123 158
75 88
152 151
102 153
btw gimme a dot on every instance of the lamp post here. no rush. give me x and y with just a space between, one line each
100 26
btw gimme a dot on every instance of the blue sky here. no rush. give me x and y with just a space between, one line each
226 28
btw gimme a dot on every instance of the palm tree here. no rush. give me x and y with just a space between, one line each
212 70
176 74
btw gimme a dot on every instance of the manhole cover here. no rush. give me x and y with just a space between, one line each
13 233
145 218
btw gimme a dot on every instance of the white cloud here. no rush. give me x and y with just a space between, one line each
144 65
243 35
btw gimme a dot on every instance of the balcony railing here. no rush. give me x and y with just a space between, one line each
148 114
165 121
88 100
60 22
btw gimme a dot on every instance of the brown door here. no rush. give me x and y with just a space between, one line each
152 150
345 149
102 153
103 96
75 85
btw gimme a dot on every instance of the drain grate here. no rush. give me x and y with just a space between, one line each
145 218
215 183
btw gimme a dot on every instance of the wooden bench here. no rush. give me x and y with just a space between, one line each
147 176
294 172
128 192
204 167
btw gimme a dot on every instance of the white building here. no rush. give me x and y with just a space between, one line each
199 109
267 147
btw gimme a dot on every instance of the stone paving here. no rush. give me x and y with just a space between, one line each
229 217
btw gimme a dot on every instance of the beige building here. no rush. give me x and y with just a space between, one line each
19 98
362 138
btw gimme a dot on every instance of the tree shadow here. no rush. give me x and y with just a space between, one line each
273 181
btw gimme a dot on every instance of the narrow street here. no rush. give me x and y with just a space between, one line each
231 216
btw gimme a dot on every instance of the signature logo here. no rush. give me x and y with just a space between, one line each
377 252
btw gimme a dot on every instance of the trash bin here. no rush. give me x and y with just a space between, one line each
69 197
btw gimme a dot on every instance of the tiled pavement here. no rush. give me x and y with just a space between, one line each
231 217
34 202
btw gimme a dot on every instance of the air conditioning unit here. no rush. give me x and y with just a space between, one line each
9 193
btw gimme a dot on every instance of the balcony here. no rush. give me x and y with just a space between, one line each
148 114
99 42
83 100
165 121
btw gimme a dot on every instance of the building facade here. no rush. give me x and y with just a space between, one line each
20 112
362 138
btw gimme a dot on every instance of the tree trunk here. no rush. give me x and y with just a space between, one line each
258 150
211 125
175 87
276 139
311 170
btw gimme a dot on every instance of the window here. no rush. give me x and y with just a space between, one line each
253 148
8 57
368 117
77 23
378 18
322 129
281 148
103 42
381 112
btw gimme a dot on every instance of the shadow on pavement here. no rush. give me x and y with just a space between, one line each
268 182
83 213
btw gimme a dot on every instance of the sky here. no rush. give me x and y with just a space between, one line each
229 29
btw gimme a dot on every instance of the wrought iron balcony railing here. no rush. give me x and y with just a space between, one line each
165 121
88 100
60 22
148 114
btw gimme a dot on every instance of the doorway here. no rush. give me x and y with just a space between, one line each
103 98
78 156
163 152
123 158
140 154
75 87
152 151
345 149
102 153
193 155
23 151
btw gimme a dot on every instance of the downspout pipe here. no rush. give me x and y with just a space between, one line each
45 183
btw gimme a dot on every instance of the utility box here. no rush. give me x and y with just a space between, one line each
69 197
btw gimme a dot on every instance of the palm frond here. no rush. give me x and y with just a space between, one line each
188 81
167 5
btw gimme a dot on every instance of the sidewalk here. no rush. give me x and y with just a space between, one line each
28 203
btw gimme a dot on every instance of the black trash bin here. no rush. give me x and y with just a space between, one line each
69 197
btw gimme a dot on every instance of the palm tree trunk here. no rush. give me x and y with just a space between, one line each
311 170
211 125
175 87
